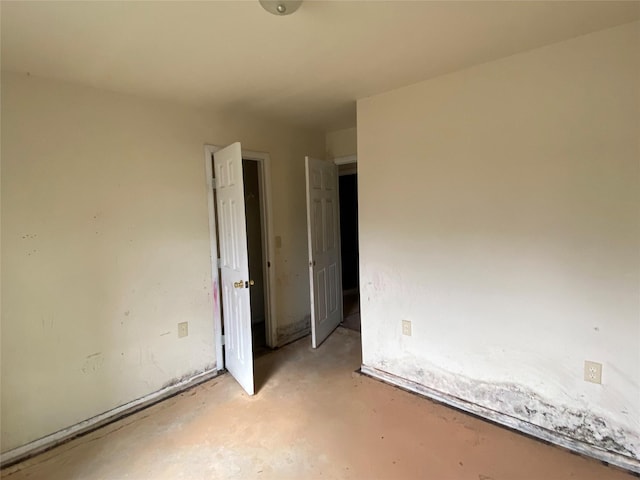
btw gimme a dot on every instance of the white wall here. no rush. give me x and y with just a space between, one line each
105 246
499 213
342 143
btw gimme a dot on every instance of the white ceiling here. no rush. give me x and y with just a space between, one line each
307 68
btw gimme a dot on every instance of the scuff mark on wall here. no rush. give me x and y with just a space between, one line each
92 363
294 331
523 404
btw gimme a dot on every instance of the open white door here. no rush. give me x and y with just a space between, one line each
323 228
234 265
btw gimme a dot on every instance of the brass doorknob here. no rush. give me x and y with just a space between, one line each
239 284
252 283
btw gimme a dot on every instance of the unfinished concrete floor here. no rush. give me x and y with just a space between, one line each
312 418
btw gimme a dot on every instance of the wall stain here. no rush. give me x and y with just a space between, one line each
526 405
187 376
216 307
294 331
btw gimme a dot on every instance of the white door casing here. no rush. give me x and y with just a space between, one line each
323 231
234 265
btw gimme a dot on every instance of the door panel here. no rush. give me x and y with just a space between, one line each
324 249
234 265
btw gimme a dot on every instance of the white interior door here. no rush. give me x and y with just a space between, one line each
234 265
323 228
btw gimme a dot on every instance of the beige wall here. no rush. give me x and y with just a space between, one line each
105 246
342 143
499 212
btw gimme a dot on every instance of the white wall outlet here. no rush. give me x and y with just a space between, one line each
183 329
406 327
592 372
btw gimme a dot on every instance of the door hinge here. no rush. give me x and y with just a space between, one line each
219 262
222 338
213 183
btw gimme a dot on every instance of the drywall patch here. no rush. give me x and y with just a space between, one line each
294 331
520 403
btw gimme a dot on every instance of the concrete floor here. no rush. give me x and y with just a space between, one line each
312 418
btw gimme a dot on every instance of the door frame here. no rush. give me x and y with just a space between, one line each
345 160
264 180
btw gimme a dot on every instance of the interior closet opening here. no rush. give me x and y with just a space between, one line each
255 247
348 197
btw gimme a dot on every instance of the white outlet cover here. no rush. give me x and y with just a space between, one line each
592 372
406 327
183 329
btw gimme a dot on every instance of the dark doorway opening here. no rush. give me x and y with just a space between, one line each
348 185
255 245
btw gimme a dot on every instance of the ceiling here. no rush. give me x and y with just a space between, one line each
307 68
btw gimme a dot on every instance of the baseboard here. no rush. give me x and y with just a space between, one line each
522 426
24 452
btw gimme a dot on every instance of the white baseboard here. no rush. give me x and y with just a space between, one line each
577 446
45 443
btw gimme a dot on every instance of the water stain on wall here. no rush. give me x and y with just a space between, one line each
294 331
525 405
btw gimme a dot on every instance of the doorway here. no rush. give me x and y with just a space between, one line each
257 199
332 235
255 246
348 199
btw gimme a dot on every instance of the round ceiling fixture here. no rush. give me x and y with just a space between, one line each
280 7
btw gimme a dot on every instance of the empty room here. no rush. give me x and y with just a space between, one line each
287 239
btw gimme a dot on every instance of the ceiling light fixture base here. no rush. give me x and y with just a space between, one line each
281 7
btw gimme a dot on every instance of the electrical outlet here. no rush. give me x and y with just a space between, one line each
406 328
183 329
592 372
